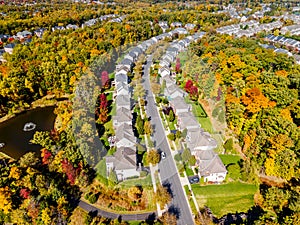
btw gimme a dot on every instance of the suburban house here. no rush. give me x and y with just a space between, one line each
211 168
187 120
123 101
179 105
198 139
121 77
123 116
202 146
122 88
163 63
123 162
125 136
24 35
39 32
164 71
72 26
189 26
172 91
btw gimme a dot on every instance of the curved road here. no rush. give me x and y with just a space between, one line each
140 216
168 171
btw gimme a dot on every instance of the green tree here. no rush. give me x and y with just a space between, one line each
171 136
140 125
186 155
171 116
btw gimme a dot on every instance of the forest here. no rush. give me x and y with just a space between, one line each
260 90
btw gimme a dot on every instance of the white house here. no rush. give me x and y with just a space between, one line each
164 71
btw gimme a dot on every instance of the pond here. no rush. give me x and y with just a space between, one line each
16 139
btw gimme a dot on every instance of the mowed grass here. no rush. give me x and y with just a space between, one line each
206 124
230 159
225 198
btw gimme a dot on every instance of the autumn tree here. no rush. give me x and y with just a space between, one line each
153 157
162 196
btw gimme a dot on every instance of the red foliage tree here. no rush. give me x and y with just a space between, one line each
103 101
24 192
104 78
188 85
69 170
178 65
194 92
46 155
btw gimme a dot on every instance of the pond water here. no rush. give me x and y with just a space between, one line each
16 139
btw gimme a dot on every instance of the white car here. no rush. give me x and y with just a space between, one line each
163 155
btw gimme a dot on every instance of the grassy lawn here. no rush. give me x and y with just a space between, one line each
144 182
229 159
189 171
101 168
206 124
225 198
199 111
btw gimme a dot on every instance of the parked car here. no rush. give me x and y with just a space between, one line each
163 155
194 180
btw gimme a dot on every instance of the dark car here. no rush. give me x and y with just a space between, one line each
194 180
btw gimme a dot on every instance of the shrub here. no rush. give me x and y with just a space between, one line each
177 157
158 100
215 112
93 198
192 160
143 173
87 196
171 136
228 145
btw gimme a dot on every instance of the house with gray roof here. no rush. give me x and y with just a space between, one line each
172 91
164 63
198 139
125 136
24 34
72 27
123 162
123 116
122 89
123 101
179 105
121 77
187 120
164 71
210 166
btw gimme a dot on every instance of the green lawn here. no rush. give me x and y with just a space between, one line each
225 198
145 182
189 171
101 171
199 111
206 124
229 159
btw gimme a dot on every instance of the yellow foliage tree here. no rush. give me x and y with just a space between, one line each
5 200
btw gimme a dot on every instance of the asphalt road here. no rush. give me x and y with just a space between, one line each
168 172
128 217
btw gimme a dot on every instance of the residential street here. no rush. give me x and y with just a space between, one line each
168 171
